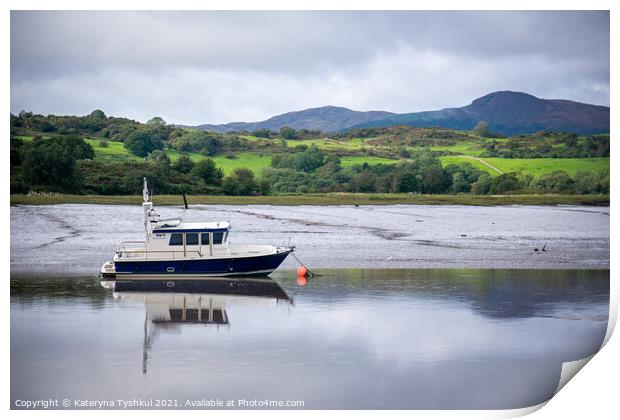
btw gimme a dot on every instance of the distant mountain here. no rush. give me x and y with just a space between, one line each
327 118
506 112
509 113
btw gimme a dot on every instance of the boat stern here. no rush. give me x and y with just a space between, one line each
108 270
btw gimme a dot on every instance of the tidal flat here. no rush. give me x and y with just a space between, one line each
79 238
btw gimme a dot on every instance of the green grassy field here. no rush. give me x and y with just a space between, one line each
329 144
116 152
536 167
251 138
541 166
24 138
463 148
252 161
347 161
447 160
322 199
174 155
325 143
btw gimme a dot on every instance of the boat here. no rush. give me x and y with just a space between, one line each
176 249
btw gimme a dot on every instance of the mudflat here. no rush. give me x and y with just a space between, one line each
78 238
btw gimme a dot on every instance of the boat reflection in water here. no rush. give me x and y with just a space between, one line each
204 302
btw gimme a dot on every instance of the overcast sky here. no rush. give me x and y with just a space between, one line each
216 67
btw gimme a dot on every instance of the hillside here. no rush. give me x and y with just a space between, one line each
327 118
96 154
509 113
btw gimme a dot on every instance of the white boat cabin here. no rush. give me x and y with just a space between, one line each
200 239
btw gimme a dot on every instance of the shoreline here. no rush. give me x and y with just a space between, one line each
325 199
325 272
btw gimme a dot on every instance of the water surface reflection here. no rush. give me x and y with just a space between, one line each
349 339
170 304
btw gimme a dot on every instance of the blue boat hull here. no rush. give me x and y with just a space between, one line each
259 265
254 287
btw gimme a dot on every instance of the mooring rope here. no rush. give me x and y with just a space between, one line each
304 266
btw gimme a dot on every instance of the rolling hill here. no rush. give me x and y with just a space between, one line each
327 118
510 113
507 112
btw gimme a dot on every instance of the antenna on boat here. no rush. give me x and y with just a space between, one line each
145 191
150 215
147 206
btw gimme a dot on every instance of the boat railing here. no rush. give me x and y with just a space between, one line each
137 249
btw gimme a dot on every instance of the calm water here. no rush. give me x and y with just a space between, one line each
348 339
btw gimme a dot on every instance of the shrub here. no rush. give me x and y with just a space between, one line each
241 182
184 164
556 182
208 172
505 183
144 141
482 185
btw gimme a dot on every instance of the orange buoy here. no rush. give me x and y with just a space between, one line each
302 271
302 281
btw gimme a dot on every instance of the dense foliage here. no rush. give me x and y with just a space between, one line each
549 145
52 156
96 123
421 173
203 142
48 163
143 141
306 161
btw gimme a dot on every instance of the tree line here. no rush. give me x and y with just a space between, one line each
549 145
66 164
422 172
62 161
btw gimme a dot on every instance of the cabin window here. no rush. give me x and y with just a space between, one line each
204 238
191 239
218 237
176 239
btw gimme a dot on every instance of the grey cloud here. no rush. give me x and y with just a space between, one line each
196 67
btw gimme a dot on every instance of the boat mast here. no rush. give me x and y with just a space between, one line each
147 206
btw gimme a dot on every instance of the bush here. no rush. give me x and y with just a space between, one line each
364 182
307 161
262 133
184 164
591 183
198 141
482 129
555 182
51 163
144 141
241 182
288 133
286 180
18 186
482 184
208 172
505 183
